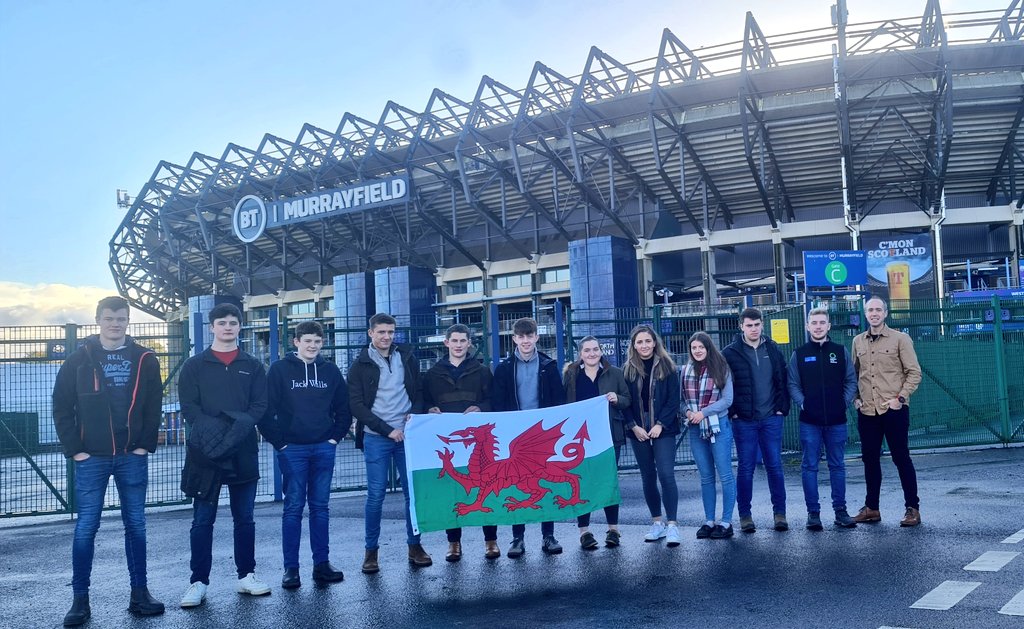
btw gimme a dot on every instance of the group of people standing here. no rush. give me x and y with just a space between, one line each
107 412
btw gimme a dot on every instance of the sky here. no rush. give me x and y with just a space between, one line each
96 94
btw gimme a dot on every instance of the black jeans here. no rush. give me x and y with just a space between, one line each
490 534
894 426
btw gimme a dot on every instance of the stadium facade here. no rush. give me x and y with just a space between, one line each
692 176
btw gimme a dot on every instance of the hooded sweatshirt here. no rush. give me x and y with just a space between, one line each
308 402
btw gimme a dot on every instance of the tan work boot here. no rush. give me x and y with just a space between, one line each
419 557
454 552
911 518
491 550
370 565
867 515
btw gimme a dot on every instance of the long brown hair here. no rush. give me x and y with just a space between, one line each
664 366
573 368
715 363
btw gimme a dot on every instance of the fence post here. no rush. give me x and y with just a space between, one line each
494 334
70 345
1002 395
559 335
571 345
274 347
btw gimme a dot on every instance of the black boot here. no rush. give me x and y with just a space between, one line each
79 611
143 603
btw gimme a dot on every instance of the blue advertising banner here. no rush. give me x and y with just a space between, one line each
835 268
900 267
253 215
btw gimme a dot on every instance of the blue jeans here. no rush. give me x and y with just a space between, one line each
834 439
204 514
307 470
657 462
379 452
750 435
710 457
131 474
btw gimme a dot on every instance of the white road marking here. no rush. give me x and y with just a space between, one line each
946 595
888 627
991 561
1015 607
1015 538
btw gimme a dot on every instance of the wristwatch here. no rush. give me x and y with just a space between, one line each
902 399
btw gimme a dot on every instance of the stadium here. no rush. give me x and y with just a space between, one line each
695 177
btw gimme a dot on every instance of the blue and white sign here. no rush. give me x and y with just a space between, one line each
253 215
835 268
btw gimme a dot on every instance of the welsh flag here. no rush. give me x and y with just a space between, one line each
518 467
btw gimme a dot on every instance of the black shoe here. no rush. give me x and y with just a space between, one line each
844 520
79 611
704 532
143 604
721 532
324 572
588 541
814 521
516 549
612 539
551 545
291 579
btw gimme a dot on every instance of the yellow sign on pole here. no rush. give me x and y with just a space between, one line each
780 331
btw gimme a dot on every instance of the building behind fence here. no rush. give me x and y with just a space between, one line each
971 353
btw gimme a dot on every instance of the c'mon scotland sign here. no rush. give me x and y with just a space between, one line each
253 215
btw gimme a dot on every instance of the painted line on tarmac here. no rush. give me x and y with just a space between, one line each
1015 607
991 561
1015 538
888 627
946 595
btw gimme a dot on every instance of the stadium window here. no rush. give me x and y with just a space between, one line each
302 308
257 314
329 304
466 286
553 276
514 280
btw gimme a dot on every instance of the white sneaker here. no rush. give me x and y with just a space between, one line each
672 536
249 584
657 532
194 595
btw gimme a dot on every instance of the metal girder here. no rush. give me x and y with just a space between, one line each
1011 25
677 63
748 109
757 54
448 237
1006 157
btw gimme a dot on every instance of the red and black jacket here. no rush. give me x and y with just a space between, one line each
81 404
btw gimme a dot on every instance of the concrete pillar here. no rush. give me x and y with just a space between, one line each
353 306
408 294
602 282
779 262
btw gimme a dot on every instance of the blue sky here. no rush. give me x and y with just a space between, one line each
97 93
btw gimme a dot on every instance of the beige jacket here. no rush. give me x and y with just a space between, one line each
887 368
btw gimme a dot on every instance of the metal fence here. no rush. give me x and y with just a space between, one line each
971 354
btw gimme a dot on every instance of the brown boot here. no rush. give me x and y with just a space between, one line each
867 515
370 565
912 517
491 550
454 552
419 557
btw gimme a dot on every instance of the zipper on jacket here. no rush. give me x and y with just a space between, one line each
135 393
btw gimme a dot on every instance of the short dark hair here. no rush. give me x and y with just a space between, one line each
458 328
381 318
309 327
114 302
524 326
751 313
221 311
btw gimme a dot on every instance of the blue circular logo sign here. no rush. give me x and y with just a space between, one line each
249 219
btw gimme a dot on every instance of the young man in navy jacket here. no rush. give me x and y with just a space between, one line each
822 383
107 412
308 415
526 380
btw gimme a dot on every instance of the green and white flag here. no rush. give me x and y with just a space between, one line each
510 468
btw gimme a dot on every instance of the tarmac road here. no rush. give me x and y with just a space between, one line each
865 577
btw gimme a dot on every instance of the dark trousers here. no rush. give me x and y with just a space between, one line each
894 427
657 460
611 512
490 534
546 528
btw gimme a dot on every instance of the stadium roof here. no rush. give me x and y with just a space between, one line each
903 115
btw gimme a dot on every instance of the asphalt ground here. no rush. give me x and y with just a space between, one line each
865 577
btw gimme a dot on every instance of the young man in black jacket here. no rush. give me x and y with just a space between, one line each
459 383
308 415
823 383
383 391
223 393
759 406
526 380
107 404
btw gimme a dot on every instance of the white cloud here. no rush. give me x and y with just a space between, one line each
53 304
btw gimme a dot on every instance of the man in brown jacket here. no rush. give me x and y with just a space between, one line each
887 375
